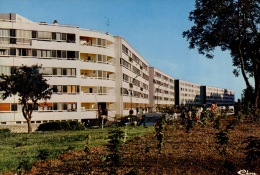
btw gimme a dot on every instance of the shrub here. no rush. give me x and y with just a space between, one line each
252 150
128 119
5 131
76 126
61 126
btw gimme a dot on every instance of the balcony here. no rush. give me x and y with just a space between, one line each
96 58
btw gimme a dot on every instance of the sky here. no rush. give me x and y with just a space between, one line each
152 27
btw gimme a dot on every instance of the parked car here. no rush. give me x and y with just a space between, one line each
151 118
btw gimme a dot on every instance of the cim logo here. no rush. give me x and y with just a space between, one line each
245 172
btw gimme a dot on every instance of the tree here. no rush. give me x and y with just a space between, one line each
29 84
234 26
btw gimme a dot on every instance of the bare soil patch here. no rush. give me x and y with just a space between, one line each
182 153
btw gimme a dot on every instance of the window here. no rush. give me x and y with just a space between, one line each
72 89
53 35
54 53
34 52
13 107
64 71
64 36
58 36
101 42
124 49
4 51
73 72
59 88
69 72
46 71
63 54
64 89
59 71
58 53
4 34
34 34
5 70
72 106
71 38
22 52
44 35
125 77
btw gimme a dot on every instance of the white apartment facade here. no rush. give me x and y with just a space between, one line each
85 67
187 93
133 79
223 97
161 89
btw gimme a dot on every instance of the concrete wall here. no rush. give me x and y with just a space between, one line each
19 127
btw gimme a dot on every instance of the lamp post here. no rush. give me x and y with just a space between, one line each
157 95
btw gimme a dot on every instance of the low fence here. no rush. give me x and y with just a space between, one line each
19 127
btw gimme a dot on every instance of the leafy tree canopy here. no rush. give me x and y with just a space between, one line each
232 25
29 84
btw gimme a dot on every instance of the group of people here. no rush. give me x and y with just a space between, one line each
186 115
195 113
191 114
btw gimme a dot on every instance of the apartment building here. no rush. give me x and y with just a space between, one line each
133 80
161 92
221 96
186 93
93 73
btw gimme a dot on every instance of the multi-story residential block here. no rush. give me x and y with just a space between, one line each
93 73
161 92
132 79
186 93
223 97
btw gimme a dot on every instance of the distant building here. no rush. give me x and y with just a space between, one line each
223 97
186 93
161 89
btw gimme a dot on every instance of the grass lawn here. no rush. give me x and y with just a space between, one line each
24 148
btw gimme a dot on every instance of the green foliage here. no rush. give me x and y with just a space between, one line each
24 165
132 172
159 125
113 157
232 26
240 117
222 141
18 147
252 150
87 145
43 154
5 131
28 83
61 126
190 124
216 124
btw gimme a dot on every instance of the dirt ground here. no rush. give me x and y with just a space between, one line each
184 153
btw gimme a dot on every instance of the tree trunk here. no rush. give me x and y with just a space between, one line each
27 114
257 87
29 123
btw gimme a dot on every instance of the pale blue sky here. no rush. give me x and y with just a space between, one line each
153 27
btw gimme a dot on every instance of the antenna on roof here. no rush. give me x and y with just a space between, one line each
107 24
